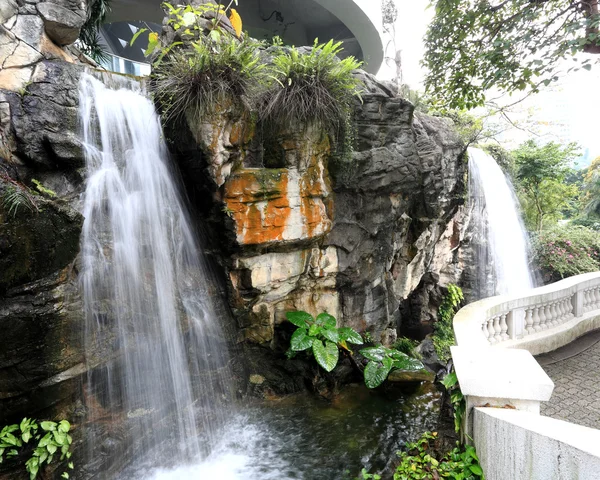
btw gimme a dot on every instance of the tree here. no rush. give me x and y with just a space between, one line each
591 185
540 181
513 45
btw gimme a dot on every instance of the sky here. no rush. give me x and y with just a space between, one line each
567 111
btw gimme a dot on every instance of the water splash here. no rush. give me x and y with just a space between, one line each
502 264
152 331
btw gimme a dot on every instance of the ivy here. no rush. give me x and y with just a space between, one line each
55 441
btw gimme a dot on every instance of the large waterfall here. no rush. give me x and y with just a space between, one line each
502 264
147 295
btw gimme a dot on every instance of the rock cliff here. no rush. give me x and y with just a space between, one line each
369 239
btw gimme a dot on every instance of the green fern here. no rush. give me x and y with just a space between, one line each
43 190
14 198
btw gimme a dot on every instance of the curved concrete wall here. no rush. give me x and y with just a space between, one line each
364 19
361 17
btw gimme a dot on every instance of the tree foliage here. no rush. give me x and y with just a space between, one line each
540 177
512 45
591 185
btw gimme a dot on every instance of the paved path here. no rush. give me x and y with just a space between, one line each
575 370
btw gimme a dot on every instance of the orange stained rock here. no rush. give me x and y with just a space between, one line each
267 209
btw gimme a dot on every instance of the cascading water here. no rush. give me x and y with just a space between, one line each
157 357
502 263
147 293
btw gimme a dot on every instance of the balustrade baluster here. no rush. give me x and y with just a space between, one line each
491 331
543 325
596 298
529 321
536 319
503 327
484 329
497 329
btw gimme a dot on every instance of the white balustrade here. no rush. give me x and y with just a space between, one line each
540 312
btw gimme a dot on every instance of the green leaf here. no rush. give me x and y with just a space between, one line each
476 469
26 436
326 355
60 438
376 372
188 19
46 439
300 340
331 334
136 35
376 354
314 330
407 363
48 426
215 35
300 318
64 475
350 335
450 380
51 447
64 426
326 320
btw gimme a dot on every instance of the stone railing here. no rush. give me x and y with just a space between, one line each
496 340
547 318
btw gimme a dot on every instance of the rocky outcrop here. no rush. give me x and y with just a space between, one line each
42 358
296 228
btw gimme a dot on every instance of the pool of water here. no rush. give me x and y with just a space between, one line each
303 437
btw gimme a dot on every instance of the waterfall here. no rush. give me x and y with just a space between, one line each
156 351
502 264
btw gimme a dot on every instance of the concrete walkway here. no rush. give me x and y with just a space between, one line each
575 370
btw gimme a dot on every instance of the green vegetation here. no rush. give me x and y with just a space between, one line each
14 440
541 173
88 35
591 197
563 251
16 196
324 340
443 334
321 337
43 190
315 87
421 461
457 399
218 72
473 46
382 361
406 346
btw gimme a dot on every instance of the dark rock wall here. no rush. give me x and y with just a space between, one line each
41 355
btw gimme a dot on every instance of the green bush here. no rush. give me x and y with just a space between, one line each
407 346
321 338
443 334
52 439
218 70
421 461
566 250
315 87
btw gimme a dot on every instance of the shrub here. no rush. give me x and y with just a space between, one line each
443 335
420 460
321 338
216 70
313 87
566 250
52 439
407 346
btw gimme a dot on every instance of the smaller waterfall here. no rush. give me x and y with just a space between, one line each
502 263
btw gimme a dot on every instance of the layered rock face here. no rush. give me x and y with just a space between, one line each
41 357
358 238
